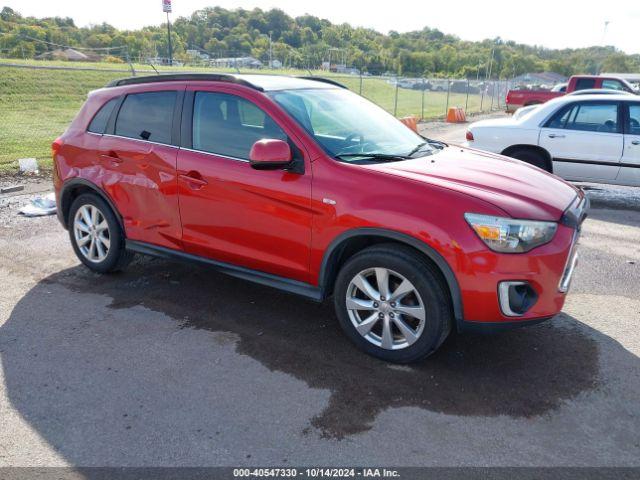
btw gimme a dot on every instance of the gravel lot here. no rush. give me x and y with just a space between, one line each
172 365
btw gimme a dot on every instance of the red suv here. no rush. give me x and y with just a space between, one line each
302 185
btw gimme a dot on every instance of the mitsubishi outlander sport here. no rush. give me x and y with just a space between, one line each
302 185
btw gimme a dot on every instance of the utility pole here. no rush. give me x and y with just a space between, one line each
604 37
270 52
604 33
493 50
169 40
166 7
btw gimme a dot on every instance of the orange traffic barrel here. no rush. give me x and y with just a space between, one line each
411 122
456 115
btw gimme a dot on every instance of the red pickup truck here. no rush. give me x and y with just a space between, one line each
523 98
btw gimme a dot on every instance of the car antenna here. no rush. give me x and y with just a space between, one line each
154 68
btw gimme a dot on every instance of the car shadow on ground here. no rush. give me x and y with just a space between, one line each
522 373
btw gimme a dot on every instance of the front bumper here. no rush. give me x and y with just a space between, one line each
548 270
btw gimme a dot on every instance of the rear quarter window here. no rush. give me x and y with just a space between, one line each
99 122
147 116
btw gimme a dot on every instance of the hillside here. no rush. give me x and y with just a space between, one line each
305 42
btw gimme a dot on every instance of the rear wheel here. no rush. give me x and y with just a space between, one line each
392 304
532 157
96 235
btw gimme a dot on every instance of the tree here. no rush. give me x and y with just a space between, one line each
617 63
305 41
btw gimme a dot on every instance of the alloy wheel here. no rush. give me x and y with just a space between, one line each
385 308
91 232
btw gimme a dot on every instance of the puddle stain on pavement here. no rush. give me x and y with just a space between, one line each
521 373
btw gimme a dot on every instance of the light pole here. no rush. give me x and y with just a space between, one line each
604 32
604 36
270 48
166 7
169 40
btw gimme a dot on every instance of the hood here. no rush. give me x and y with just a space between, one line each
521 190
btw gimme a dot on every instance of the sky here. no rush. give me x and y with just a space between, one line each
550 23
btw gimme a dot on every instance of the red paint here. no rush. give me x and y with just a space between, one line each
270 151
281 223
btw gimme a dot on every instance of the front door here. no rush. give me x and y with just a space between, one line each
231 212
585 141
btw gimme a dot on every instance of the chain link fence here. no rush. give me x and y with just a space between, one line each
428 98
38 100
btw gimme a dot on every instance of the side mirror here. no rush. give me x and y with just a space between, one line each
270 154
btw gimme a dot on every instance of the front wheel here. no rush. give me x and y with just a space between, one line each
393 304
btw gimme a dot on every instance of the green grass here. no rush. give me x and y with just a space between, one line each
36 105
410 102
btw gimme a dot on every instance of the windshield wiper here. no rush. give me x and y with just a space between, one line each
436 143
417 149
376 156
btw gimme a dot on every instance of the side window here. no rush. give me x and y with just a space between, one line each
560 119
634 119
250 115
147 116
585 83
613 85
229 125
594 117
99 122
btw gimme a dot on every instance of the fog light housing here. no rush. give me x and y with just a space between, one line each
516 298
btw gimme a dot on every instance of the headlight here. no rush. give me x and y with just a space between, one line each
507 235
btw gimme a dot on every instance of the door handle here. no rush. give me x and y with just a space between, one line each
194 179
555 135
111 157
635 142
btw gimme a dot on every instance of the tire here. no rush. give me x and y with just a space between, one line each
96 235
429 292
532 157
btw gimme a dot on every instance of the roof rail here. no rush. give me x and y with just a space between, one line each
177 77
323 80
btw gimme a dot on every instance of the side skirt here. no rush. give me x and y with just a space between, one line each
285 284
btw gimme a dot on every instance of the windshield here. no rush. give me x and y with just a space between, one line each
351 128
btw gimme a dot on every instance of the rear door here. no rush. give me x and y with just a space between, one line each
138 159
585 140
630 166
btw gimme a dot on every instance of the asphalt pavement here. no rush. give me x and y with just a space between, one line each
174 365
